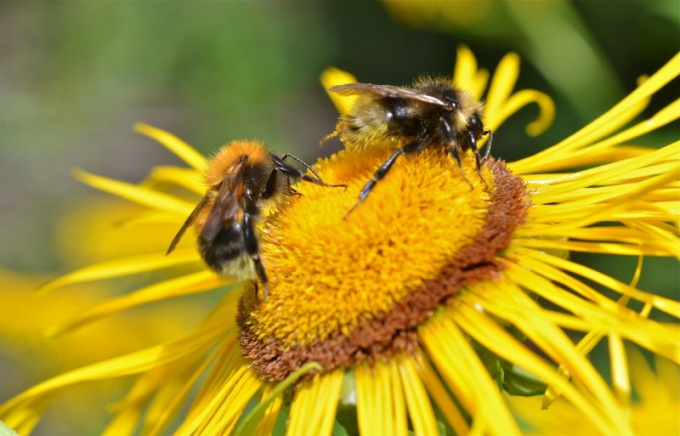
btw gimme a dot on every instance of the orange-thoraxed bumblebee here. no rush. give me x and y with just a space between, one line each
431 113
243 178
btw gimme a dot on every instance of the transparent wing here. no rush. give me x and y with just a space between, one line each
388 91
226 203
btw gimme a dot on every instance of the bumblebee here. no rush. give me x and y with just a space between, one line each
431 113
243 179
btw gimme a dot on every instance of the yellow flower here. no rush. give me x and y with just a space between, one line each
421 307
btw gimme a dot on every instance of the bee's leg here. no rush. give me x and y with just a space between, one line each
456 156
270 188
379 174
328 137
454 141
294 172
478 158
253 250
301 162
487 152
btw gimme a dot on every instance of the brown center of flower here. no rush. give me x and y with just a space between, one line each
342 291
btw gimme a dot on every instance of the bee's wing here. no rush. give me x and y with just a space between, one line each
387 91
226 202
187 223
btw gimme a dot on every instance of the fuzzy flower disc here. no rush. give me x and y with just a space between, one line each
341 291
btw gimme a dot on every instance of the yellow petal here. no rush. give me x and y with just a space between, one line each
496 339
123 267
137 194
332 77
183 177
192 345
313 408
183 150
462 369
220 414
439 394
274 393
467 76
184 285
419 407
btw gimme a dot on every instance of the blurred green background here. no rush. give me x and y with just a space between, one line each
75 76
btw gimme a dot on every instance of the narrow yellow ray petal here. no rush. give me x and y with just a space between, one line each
568 321
227 363
456 360
332 77
274 392
398 400
184 285
643 378
613 119
184 177
607 148
24 421
331 389
610 174
383 398
502 84
625 322
123 267
659 79
559 156
600 233
554 343
440 396
150 217
467 76
313 408
665 116
580 158
180 148
419 407
602 247
542 264
271 414
554 182
137 194
662 234
133 363
232 407
227 402
546 110
619 367
588 342
129 410
507 347
615 204
371 412
163 419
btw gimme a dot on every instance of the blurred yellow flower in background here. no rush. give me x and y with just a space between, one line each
417 311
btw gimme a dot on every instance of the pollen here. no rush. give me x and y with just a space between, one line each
354 288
